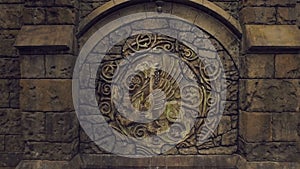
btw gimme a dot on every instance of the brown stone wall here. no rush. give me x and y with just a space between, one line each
268 12
37 118
11 142
231 6
270 87
49 123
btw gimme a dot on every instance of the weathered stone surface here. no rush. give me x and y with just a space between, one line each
286 15
255 127
84 138
268 165
50 151
39 3
271 38
273 151
298 14
285 126
258 66
7 49
34 16
218 150
224 125
6 45
9 89
32 66
231 7
268 3
10 160
45 164
231 108
50 37
10 121
230 138
230 68
46 95
287 66
11 1
14 143
231 90
258 15
9 68
90 148
2 147
188 151
34 126
59 15
10 16
71 3
151 24
61 126
59 66
178 161
270 95
8 34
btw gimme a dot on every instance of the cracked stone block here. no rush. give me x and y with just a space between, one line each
266 95
46 95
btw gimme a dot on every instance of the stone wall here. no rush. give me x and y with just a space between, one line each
266 97
270 90
11 143
50 127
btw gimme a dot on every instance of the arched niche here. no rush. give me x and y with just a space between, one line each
214 21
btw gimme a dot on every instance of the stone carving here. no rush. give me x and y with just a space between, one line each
155 95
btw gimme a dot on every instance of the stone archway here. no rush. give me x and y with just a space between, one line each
224 33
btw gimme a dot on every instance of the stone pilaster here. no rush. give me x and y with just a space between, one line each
269 89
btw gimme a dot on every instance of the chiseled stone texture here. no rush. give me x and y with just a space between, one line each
59 66
230 6
2 148
286 15
14 143
61 126
34 15
60 15
258 15
50 150
50 126
36 3
255 127
10 121
7 40
272 151
32 66
34 126
270 95
10 15
286 126
9 89
87 6
46 95
10 160
269 2
9 68
257 66
287 66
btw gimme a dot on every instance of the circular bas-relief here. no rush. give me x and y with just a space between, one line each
146 92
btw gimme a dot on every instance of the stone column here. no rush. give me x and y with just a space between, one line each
46 43
270 84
